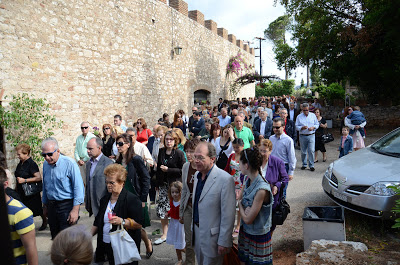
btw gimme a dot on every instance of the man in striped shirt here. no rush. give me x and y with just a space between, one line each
22 228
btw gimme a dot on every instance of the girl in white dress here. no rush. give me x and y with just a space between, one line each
176 230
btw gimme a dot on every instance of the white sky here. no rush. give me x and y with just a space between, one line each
246 20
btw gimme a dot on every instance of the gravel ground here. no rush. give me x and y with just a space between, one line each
303 191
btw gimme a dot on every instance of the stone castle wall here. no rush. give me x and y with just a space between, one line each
92 59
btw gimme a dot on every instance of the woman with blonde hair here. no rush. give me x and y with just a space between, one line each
108 140
142 132
72 246
117 130
182 140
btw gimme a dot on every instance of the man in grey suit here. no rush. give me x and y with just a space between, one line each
213 207
95 180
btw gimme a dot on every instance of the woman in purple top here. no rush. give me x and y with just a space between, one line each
273 170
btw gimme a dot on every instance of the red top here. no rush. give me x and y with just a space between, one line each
228 165
174 212
143 136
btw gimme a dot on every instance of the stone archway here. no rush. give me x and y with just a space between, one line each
201 95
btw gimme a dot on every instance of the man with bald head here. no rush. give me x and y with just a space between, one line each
224 119
95 180
243 132
81 154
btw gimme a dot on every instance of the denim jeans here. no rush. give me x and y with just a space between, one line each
307 145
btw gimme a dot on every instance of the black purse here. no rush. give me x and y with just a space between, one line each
31 189
281 212
327 138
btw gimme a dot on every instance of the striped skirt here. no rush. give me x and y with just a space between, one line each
255 249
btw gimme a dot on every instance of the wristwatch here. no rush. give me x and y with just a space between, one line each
123 222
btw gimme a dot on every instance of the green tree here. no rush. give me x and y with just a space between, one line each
27 120
285 55
302 83
355 40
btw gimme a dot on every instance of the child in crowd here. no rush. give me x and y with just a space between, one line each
356 117
232 167
176 231
346 143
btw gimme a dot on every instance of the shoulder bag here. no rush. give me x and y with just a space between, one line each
222 159
327 137
31 188
124 247
280 213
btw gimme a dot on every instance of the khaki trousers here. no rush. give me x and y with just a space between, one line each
190 255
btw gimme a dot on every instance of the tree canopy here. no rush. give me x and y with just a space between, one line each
354 40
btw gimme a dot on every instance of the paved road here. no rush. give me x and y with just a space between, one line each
304 190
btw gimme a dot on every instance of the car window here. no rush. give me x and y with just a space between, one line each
389 144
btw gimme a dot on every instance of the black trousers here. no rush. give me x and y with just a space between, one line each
57 213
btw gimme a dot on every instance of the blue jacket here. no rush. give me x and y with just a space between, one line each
257 128
197 126
347 147
262 223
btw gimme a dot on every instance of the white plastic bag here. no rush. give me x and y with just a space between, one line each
124 247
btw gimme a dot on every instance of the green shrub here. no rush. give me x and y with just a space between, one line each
26 120
275 88
396 208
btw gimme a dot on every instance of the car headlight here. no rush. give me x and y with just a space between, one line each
328 172
382 188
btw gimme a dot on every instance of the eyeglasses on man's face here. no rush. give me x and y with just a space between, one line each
84 127
48 154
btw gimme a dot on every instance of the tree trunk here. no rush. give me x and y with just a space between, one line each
308 73
286 72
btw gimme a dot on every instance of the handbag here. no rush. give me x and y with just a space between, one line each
124 247
32 188
327 138
222 159
280 213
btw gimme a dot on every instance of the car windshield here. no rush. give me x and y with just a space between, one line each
389 144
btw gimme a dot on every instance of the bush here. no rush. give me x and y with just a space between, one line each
275 88
333 91
27 121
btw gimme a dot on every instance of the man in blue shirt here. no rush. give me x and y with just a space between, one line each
63 190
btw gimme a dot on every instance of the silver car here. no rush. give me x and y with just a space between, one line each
359 181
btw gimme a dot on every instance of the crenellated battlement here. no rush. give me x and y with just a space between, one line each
182 7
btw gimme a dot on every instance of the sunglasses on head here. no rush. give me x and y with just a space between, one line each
48 154
84 127
120 143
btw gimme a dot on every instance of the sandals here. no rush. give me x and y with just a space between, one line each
235 233
148 254
316 161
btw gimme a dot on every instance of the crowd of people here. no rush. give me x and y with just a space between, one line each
231 161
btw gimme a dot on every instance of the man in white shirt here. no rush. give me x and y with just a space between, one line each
224 119
118 122
307 124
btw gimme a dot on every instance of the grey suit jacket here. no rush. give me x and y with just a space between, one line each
95 185
217 209
185 190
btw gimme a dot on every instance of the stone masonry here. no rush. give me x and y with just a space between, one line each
92 59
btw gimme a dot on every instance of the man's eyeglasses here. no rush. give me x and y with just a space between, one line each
120 143
48 154
276 127
84 128
200 158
